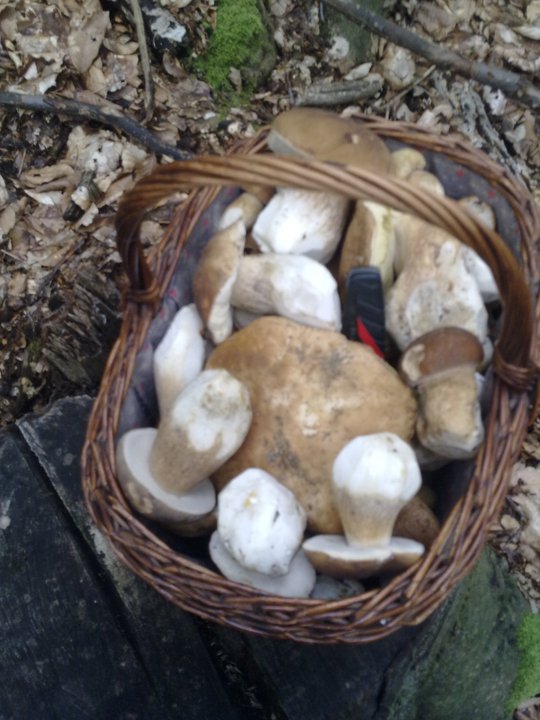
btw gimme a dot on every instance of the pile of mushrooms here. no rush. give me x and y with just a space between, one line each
302 453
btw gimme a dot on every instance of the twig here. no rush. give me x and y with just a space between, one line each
341 93
85 111
145 59
512 84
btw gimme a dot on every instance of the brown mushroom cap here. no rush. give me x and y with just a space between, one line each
417 521
312 391
311 132
439 351
332 555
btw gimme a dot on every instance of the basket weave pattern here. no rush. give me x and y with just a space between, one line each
413 595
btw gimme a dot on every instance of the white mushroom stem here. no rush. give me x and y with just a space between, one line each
374 476
179 357
206 425
260 522
215 277
303 222
293 286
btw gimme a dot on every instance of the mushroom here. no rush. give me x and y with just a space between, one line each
373 477
305 222
417 521
441 366
214 279
179 357
185 512
478 268
293 286
311 391
405 161
259 533
434 290
369 240
206 425
246 208
311 132
260 522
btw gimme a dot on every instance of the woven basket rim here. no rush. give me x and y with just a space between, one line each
410 597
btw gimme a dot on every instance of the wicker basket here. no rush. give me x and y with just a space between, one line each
181 576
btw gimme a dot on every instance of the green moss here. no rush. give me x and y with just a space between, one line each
241 40
527 683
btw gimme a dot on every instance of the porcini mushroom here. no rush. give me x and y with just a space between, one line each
260 529
293 286
304 222
206 425
246 208
373 477
179 357
179 511
405 161
369 240
441 366
311 132
434 290
311 391
214 279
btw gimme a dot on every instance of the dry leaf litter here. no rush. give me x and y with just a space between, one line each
61 179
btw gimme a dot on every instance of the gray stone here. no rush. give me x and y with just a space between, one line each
336 27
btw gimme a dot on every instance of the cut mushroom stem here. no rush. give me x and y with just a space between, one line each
179 357
293 286
373 476
206 425
304 222
442 365
214 279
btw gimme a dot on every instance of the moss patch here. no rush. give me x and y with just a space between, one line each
241 40
527 683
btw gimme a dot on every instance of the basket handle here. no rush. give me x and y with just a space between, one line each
512 357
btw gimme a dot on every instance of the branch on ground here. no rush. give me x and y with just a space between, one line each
91 113
512 84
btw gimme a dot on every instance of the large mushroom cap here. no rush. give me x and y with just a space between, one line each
311 132
312 391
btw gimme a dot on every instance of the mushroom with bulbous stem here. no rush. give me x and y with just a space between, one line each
293 286
441 366
164 472
260 529
373 477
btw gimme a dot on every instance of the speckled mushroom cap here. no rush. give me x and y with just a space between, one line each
312 391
